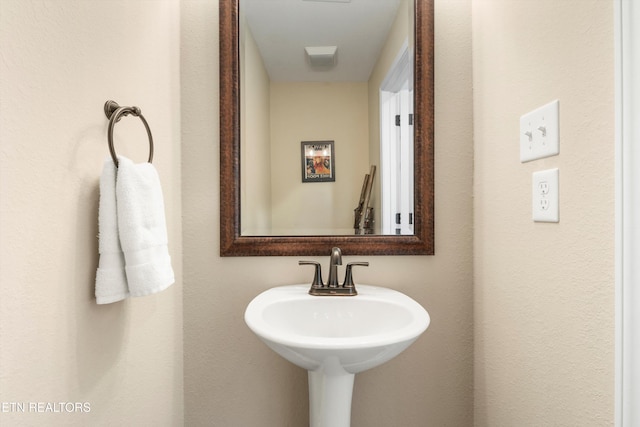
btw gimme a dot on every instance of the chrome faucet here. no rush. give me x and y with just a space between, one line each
348 288
334 261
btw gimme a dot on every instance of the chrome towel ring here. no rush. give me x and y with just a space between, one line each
114 113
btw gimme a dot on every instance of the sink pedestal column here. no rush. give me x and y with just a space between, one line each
330 399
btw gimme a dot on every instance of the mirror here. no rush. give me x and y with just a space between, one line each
238 235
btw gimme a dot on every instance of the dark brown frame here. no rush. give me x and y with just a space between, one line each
234 244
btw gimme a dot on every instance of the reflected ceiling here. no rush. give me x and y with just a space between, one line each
283 28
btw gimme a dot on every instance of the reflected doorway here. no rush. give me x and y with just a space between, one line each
396 146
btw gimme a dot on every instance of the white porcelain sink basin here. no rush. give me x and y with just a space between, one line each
335 337
357 332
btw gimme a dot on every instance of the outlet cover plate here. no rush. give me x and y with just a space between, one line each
540 133
545 196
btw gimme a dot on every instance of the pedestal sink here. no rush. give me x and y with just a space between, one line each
335 337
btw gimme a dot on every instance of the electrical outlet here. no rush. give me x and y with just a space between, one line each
545 196
539 132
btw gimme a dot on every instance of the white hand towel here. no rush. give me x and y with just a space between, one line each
111 282
142 228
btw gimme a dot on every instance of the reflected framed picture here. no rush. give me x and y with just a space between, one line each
318 161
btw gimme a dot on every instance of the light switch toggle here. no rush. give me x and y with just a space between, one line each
542 129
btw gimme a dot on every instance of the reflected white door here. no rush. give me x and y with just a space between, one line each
396 145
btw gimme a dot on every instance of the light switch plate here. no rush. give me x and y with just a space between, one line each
545 196
540 133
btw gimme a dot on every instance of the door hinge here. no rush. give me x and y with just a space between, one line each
398 120
410 119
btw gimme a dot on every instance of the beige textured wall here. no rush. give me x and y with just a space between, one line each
61 60
231 378
317 111
544 293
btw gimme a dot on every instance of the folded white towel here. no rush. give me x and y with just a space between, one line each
111 282
142 228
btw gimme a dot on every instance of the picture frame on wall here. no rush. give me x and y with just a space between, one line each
318 161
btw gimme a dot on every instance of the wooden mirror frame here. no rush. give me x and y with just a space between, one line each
232 243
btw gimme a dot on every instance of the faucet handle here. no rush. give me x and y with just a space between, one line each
317 277
348 275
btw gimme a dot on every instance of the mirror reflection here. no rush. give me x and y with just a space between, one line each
326 107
